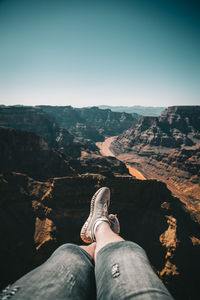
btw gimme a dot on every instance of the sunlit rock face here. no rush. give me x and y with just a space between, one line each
175 128
167 148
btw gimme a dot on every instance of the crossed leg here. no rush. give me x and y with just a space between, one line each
121 271
67 274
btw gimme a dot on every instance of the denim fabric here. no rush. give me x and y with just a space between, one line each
122 271
67 274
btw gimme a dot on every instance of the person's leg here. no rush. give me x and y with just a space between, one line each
122 269
90 249
67 274
104 235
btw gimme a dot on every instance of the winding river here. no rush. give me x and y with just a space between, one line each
105 151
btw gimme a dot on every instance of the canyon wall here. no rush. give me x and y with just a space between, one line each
167 148
92 123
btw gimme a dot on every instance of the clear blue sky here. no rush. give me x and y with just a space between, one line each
100 52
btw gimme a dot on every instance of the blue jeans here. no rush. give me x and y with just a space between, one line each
121 271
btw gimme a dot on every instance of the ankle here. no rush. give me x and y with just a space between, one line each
102 226
98 223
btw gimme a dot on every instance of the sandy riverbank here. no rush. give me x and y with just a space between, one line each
105 151
105 146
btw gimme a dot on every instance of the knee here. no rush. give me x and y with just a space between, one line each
65 248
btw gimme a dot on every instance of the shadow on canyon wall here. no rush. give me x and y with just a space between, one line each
37 217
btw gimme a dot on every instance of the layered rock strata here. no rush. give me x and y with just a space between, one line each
176 127
34 119
92 123
25 152
166 148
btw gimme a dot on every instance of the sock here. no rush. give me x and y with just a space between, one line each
98 222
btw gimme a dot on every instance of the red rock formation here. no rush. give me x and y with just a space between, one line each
167 149
175 128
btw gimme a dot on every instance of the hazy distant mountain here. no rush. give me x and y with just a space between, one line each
141 110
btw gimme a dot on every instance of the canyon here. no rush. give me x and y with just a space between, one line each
51 164
166 148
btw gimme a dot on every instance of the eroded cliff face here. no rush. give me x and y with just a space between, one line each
97 164
34 119
184 118
36 217
166 148
92 123
18 249
176 127
182 167
25 152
